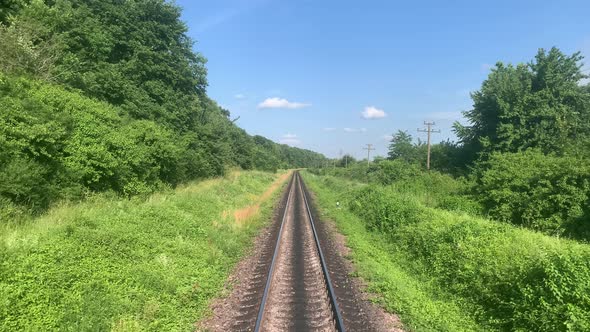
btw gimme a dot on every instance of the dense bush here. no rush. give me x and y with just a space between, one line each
57 144
432 188
382 211
516 279
382 172
538 191
110 96
389 171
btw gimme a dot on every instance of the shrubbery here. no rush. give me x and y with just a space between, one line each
433 188
547 193
110 96
517 279
384 211
389 171
57 144
538 191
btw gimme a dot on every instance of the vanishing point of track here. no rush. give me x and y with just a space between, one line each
298 294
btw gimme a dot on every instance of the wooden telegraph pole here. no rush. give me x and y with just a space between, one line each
428 130
369 148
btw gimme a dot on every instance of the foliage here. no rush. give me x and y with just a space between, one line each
346 160
57 144
536 105
125 109
435 188
390 171
9 8
527 141
401 147
447 157
132 54
23 52
507 278
108 263
538 191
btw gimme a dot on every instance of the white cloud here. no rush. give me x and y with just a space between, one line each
329 129
290 139
277 102
239 96
355 130
387 138
372 112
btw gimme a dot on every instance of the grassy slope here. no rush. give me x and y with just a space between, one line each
445 271
128 265
420 305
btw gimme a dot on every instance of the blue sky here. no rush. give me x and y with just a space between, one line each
332 76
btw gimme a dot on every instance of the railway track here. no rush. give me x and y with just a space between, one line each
298 294
284 285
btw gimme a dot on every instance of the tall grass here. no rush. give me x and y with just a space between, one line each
503 277
115 264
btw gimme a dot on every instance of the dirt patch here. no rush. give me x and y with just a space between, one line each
275 185
242 215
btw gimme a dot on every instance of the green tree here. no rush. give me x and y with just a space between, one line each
9 8
125 108
25 52
346 160
132 54
447 157
534 105
401 147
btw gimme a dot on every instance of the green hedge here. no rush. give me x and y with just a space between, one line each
57 144
515 279
538 191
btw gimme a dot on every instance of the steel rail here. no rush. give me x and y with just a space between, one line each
274 257
331 294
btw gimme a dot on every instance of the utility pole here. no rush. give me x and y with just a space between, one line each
429 130
369 148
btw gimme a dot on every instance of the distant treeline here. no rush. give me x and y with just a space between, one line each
110 96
